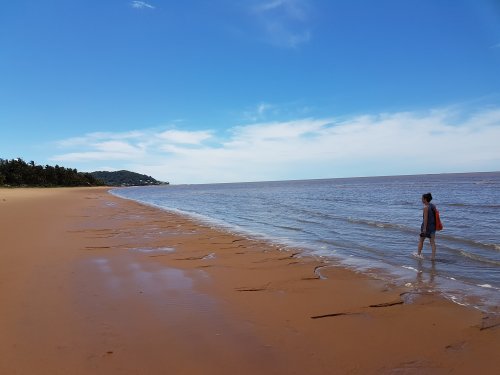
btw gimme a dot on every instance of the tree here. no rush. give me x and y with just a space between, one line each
17 172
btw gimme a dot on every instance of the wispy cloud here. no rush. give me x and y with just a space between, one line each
100 148
292 9
185 137
495 46
259 112
382 144
285 23
141 5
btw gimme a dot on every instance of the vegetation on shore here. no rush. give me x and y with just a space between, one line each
17 172
126 178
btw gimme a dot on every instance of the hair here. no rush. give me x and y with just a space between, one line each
427 197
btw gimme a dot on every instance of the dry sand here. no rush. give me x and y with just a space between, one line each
93 284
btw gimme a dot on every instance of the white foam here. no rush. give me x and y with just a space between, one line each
411 268
485 285
455 300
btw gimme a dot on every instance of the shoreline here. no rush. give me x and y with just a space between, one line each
107 285
416 274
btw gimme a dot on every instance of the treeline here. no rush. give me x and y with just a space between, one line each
17 172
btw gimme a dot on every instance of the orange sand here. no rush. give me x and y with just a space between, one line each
93 284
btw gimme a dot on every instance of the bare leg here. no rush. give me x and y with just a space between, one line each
420 245
433 246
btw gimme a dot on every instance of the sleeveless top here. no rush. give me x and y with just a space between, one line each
431 219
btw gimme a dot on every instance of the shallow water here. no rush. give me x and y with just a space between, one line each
370 224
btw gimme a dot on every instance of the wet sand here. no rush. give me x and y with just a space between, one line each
94 284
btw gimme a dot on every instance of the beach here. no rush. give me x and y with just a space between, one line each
94 284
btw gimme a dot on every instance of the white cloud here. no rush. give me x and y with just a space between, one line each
259 112
285 23
263 7
185 137
278 130
141 5
94 137
262 108
443 140
126 146
106 149
291 9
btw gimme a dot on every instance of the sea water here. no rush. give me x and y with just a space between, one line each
369 224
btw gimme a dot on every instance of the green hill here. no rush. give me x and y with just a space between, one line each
126 178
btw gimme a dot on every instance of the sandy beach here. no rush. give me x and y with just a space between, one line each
94 284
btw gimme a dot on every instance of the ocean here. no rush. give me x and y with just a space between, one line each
369 224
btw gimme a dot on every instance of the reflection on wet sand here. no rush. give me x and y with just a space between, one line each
122 274
426 275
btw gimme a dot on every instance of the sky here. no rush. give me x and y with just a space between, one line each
252 90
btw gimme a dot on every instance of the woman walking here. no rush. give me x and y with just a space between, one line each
428 227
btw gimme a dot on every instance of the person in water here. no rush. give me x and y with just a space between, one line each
428 227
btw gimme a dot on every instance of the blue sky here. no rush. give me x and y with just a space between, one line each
247 90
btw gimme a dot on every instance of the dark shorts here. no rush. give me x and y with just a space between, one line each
430 234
